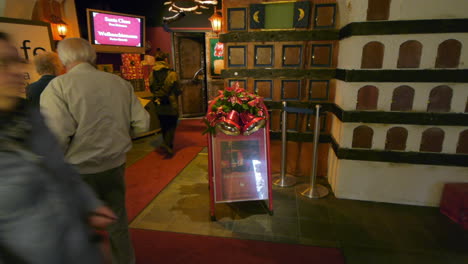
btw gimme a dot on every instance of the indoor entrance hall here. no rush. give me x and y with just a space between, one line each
337 230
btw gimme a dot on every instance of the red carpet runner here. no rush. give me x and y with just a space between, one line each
146 178
175 248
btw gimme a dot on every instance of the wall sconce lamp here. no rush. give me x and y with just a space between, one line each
61 29
216 21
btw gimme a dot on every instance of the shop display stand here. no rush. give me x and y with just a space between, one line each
239 168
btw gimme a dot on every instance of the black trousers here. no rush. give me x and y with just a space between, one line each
168 128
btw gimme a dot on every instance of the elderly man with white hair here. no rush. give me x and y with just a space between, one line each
93 114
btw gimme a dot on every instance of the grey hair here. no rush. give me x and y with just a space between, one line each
72 50
47 63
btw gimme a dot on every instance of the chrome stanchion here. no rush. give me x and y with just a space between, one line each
283 179
315 190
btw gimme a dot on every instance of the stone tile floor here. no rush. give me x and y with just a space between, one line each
366 232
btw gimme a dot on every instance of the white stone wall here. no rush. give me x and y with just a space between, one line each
392 182
356 10
333 167
336 128
347 92
413 141
350 54
385 181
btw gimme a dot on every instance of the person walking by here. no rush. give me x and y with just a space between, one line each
165 89
46 210
94 113
48 65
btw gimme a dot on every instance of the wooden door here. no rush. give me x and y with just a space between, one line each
440 99
396 138
190 64
402 99
432 140
362 137
367 98
462 146
410 54
372 55
378 9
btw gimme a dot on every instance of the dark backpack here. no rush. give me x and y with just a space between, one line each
159 79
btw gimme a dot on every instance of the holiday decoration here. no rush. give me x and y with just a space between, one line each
235 112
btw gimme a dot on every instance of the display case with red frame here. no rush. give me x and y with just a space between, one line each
239 168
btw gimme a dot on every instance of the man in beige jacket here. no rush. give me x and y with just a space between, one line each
93 114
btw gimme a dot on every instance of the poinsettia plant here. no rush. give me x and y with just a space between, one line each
235 111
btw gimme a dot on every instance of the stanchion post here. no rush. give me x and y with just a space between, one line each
283 179
315 190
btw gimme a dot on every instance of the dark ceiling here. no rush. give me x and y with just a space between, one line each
152 10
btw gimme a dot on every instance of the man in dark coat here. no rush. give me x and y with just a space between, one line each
47 65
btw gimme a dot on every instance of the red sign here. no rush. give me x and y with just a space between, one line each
240 167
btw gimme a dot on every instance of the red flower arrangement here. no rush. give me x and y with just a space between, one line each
235 111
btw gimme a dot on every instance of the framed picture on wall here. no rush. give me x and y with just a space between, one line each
216 57
30 38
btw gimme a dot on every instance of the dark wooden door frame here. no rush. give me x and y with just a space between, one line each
198 36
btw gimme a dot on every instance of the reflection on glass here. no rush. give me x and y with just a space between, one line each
260 182
243 173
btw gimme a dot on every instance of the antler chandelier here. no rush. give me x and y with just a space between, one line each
181 11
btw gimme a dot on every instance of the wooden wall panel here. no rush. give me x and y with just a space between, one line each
372 55
448 54
237 19
275 120
367 98
292 123
432 140
410 54
324 15
362 137
292 55
264 88
318 90
462 146
378 9
402 99
250 85
299 154
332 90
396 138
264 56
291 90
440 99
237 56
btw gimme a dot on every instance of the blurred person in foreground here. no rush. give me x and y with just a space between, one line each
48 65
93 114
45 208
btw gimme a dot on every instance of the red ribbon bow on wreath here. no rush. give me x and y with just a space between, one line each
235 111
